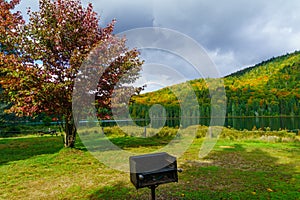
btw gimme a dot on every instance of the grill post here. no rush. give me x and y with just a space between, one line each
153 192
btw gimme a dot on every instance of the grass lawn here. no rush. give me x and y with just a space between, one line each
40 168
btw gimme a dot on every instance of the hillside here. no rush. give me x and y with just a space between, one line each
270 88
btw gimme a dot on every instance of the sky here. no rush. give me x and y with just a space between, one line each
234 33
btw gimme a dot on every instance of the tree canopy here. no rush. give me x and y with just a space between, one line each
53 46
9 56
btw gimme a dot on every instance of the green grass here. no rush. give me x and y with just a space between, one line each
40 168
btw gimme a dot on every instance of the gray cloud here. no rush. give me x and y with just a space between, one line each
129 14
235 33
247 31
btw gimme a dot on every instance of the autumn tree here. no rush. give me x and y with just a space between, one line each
9 56
9 23
54 45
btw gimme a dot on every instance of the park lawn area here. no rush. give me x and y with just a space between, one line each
41 168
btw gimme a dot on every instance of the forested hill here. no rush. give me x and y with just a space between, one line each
267 89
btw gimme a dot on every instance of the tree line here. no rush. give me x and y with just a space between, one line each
271 88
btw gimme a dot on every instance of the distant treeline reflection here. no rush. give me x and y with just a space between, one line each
237 122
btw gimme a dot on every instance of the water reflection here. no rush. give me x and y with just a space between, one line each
239 123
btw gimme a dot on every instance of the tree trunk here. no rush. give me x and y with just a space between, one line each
70 132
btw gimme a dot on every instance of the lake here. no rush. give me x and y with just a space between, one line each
239 123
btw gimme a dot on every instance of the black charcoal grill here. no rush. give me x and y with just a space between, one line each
151 170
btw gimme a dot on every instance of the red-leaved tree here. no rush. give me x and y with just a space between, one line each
9 23
9 57
54 45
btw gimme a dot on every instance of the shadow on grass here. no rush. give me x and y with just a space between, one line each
127 142
14 149
134 142
235 172
117 191
79 145
121 191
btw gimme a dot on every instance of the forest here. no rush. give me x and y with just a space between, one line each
270 88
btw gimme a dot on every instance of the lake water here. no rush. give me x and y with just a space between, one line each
241 123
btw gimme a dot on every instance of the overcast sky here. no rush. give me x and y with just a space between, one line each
234 33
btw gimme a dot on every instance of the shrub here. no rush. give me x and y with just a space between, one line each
14 130
10 131
201 132
47 121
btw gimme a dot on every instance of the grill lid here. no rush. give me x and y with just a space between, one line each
152 163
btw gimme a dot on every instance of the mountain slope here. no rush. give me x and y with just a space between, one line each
267 89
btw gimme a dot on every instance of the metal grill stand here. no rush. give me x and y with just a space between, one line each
152 170
153 187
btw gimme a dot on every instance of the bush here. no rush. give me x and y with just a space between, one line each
115 130
47 121
167 132
202 132
14 129
10 131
